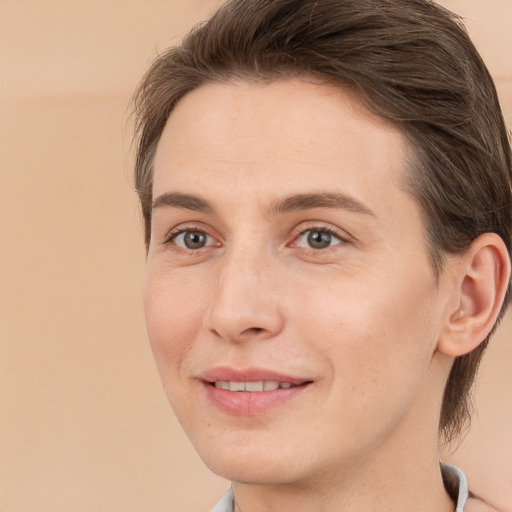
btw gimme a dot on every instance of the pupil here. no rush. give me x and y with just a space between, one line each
319 239
194 239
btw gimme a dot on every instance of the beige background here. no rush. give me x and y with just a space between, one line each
84 424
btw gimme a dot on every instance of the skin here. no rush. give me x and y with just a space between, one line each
361 319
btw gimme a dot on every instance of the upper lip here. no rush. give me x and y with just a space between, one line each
226 373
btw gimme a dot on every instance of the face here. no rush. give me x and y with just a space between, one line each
289 299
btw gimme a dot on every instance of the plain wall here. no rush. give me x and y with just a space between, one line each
84 423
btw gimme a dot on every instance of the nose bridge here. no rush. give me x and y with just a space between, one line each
244 303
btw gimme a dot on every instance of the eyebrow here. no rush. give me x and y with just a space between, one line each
320 200
293 203
183 201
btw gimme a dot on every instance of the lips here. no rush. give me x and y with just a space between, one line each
251 391
227 374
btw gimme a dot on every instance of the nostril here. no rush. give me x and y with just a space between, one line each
255 329
252 331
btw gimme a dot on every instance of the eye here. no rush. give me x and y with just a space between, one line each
192 239
317 239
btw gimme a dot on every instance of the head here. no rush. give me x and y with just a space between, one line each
409 62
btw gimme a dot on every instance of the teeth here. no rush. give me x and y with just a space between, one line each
237 386
270 385
255 387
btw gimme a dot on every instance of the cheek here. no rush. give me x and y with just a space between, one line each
173 318
375 334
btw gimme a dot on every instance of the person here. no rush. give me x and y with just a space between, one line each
326 192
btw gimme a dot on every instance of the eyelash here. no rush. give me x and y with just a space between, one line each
297 233
175 233
343 238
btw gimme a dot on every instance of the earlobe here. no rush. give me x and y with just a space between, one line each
483 274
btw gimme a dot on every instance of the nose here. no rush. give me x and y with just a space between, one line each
245 303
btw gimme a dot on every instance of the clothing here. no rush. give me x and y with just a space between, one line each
453 478
456 485
226 504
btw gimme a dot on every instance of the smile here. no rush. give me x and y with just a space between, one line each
251 391
251 386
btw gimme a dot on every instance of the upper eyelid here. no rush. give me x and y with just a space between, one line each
342 234
327 229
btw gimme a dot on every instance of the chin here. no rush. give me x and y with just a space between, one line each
254 469
251 474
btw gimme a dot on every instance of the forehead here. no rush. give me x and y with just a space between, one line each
287 136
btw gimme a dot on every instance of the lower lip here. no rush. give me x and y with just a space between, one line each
245 403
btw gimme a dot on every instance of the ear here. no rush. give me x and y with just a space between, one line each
482 276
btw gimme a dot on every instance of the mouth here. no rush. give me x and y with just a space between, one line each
251 392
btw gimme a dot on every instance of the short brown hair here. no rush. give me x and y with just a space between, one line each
411 62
